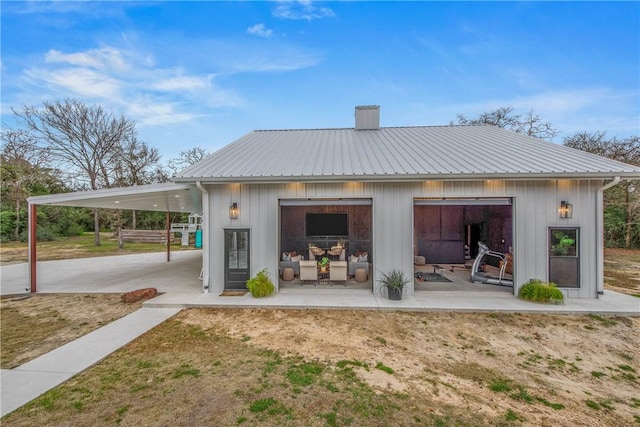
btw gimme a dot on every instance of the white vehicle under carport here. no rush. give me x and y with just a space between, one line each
479 272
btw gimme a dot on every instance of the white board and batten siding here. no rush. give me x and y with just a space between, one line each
535 209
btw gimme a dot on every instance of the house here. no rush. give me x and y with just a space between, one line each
375 198
394 193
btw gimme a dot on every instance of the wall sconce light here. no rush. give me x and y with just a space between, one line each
566 209
233 211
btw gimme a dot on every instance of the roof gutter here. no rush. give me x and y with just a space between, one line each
273 179
600 234
205 236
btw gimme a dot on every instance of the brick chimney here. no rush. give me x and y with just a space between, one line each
368 117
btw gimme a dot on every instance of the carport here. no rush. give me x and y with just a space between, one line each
165 197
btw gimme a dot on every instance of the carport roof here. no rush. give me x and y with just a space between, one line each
163 197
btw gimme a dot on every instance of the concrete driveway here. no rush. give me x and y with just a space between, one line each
109 274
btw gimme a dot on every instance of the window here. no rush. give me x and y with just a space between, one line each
564 257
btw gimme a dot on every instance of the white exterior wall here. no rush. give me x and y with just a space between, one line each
536 208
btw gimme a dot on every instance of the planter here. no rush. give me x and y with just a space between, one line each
394 281
395 294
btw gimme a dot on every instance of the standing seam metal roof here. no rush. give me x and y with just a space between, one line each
427 152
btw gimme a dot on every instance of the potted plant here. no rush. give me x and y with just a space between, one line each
323 264
394 282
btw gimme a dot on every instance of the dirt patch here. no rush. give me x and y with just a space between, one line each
454 358
359 368
622 270
33 326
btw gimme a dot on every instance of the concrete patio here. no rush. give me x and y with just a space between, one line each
180 286
611 303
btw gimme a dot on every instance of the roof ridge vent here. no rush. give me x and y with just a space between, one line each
368 117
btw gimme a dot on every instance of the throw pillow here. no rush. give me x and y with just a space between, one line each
364 257
353 258
285 257
296 258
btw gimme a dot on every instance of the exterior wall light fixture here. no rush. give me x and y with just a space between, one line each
233 211
566 209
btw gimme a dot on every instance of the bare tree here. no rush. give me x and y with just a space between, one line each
186 159
82 139
135 163
625 150
529 124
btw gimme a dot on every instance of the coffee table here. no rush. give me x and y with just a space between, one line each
437 269
323 277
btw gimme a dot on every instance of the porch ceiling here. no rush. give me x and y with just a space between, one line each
164 197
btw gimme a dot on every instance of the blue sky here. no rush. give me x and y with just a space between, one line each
205 73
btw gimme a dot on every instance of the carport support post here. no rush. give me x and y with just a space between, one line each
32 248
168 236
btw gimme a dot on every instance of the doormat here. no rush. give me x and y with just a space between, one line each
233 293
431 277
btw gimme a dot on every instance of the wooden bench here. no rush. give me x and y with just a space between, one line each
146 236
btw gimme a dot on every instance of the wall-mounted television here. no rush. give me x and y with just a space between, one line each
327 224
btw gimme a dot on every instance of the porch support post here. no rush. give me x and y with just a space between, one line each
168 236
32 248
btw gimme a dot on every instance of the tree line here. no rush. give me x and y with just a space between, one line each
69 146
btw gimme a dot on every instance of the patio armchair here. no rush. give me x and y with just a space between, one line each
291 262
315 252
308 270
335 251
338 271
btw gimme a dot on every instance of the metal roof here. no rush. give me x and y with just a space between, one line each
164 197
398 153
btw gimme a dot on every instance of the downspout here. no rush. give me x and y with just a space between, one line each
600 234
205 236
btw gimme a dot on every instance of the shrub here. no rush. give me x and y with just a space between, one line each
43 234
261 285
537 290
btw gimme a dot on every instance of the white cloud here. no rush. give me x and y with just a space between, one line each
79 81
304 9
266 62
105 58
153 113
260 30
155 81
124 80
188 83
